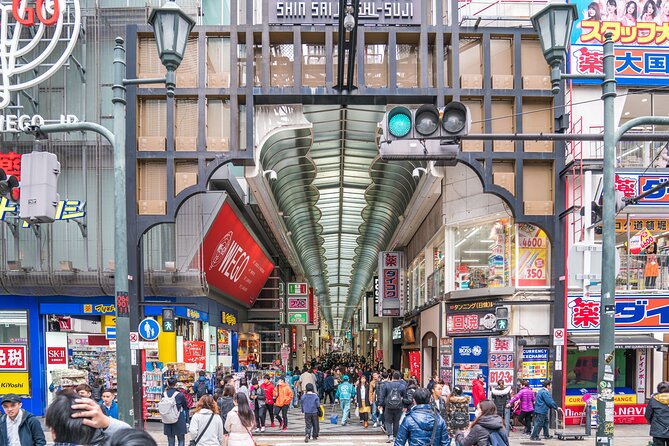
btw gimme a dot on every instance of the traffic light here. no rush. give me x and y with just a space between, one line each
502 314
39 184
424 133
9 186
168 320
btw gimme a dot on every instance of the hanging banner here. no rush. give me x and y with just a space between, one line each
391 283
634 312
195 353
414 364
532 256
377 300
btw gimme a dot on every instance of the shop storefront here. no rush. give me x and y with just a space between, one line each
249 348
640 327
411 347
430 323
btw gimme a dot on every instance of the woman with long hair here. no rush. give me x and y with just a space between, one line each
593 12
486 422
240 423
225 402
206 427
631 12
362 399
611 13
648 12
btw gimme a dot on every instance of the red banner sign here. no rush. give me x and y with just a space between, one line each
414 364
235 263
312 307
195 353
622 414
13 357
56 355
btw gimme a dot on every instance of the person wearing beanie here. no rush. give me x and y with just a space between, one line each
345 393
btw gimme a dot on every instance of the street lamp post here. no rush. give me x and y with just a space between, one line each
171 28
554 24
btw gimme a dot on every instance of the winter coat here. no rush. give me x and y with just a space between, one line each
269 392
111 411
239 434
417 427
388 387
214 435
456 404
526 397
283 394
308 378
329 383
501 398
202 386
363 404
657 414
544 401
443 407
373 386
310 402
479 434
178 428
478 391
30 431
258 396
345 391
225 405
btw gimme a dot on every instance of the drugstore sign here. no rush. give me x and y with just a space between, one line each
634 312
632 184
235 263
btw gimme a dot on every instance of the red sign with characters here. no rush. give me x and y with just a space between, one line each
414 364
56 355
234 262
622 414
13 357
11 164
195 353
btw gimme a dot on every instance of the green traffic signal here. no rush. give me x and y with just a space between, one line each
399 122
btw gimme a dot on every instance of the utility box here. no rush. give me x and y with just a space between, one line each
39 185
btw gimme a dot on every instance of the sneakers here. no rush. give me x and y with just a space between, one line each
306 439
549 437
256 430
262 429
390 439
383 428
272 424
376 424
285 429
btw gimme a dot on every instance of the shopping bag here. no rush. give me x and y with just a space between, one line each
334 419
322 417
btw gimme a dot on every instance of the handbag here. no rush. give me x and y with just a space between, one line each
194 442
320 411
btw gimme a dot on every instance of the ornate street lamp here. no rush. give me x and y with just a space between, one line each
554 24
171 27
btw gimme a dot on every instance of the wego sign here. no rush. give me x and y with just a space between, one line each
36 39
235 263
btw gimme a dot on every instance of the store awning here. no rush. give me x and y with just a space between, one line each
622 341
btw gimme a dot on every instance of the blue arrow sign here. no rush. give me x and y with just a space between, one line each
110 332
149 329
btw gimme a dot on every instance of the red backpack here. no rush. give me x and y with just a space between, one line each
189 398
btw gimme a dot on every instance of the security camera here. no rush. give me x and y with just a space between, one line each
415 174
349 20
272 175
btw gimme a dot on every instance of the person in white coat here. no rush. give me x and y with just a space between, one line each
240 422
206 426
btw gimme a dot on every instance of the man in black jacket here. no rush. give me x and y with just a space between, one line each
657 414
391 402
19 427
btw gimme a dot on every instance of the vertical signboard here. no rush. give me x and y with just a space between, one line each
535 366
377 301
391 283
298 303
532 256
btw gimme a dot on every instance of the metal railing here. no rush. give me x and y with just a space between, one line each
498 12
643 272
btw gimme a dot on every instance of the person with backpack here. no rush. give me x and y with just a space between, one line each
657 415
202 386
311 406
225 402
345 393
526 397
206 427
487 429
457 411
258 399
422 424
329 387
391 403
407 401
544 402
189 398
173 410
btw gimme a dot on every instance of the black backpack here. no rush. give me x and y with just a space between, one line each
201 389
408 399
459 420
394 400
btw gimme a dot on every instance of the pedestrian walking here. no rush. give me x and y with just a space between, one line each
329 387
18 427
422 424
345 393
457 411
486 429
258 399
543 404
362 396
478 389
526 398
206 427
440 403
373 384
173 409
203 385
268 387
283 396
657 414
240 422
307 377
390 402
225 402
500 395
383 379
311 404
244 388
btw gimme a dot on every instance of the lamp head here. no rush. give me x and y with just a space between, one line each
554 24
171 27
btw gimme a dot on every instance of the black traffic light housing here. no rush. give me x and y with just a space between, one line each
9 186
502 314
168 320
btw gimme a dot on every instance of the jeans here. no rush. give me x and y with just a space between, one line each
392 419
374 419
311 426
331 395
526 419
295 400
261 416
540 422
170 440
345 410
281 414
270 410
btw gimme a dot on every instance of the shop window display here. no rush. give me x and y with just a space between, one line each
482 256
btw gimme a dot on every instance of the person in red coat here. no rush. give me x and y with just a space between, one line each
478 389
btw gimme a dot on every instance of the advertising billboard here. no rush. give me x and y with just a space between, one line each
640 31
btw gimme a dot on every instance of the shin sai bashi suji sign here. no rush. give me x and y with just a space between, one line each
640 30
233 261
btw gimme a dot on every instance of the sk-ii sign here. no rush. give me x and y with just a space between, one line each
634 312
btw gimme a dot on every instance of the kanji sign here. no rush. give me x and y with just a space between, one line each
471 323
641 53
13 358
632 184
633 312
639 224
501 345
391 283
501 361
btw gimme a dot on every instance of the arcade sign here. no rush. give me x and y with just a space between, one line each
370 13
38 38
